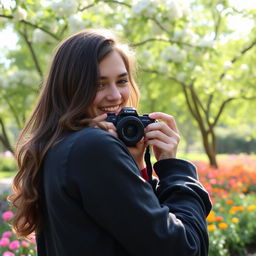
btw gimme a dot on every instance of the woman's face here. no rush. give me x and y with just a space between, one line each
113 89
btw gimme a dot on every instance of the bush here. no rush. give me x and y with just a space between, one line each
7 164
232 189
9 244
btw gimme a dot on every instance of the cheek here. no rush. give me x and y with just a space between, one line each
126 93
97 99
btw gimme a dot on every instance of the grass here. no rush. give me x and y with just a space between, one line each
5 174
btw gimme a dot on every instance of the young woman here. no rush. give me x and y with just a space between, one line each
79 188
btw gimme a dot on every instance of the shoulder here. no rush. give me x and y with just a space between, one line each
94 140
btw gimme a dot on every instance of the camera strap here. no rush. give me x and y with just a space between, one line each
148 163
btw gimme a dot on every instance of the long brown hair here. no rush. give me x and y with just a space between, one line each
66 94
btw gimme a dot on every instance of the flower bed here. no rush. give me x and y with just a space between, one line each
231 223
232 188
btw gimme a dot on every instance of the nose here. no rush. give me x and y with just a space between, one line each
114 93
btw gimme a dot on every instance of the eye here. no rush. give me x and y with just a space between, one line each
100 86
122 81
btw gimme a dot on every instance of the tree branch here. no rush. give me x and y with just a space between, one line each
117 2
150 40
16 116
159 25
208 106
4 138
33 25
224 103
161 40
238 56
217 24
86 7
32 51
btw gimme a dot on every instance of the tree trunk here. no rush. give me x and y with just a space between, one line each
209 143
4 137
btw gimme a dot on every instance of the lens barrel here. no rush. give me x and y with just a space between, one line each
130 130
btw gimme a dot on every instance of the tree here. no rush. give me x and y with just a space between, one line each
189 55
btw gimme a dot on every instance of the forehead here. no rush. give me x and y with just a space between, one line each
112 65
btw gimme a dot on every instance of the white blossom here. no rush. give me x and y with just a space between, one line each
146 55
14 78
7 4
198 68
206 43
76 22
163 68
65 7
40 36
144 6
227 65
244 66
174 53
20 14
181 76
175 11
185 35
228 77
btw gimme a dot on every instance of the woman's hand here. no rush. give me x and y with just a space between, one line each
109 126
162 136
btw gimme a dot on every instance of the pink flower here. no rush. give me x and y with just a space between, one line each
7 215
4 241
7 234
14 245
24 244
33 240
7 253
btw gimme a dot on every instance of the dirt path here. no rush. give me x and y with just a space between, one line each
5 185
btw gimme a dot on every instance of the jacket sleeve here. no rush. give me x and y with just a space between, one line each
168 222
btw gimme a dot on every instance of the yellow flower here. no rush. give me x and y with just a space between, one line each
211 216
211 227
232 211
251 208
223 225
235 220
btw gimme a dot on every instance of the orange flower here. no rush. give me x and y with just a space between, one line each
235 220
223 225
219 218
211 227
229 202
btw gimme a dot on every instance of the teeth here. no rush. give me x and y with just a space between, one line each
111 108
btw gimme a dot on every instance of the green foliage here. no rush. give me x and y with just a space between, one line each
7 164
178 46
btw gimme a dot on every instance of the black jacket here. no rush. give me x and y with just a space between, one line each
95 202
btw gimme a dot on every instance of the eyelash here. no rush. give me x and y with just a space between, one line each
121 81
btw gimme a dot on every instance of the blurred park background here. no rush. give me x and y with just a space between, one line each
196 61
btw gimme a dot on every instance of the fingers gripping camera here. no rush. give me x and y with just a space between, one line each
129 125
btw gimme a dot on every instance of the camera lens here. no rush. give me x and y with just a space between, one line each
130 130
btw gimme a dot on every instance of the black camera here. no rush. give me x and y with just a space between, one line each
129 125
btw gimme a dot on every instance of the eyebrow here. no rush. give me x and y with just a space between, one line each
121 75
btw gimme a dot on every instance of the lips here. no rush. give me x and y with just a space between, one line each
110 109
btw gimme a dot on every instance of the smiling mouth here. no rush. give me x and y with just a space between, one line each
110 109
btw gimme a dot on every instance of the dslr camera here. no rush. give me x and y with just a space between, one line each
129 125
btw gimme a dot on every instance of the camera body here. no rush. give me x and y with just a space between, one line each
129 125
